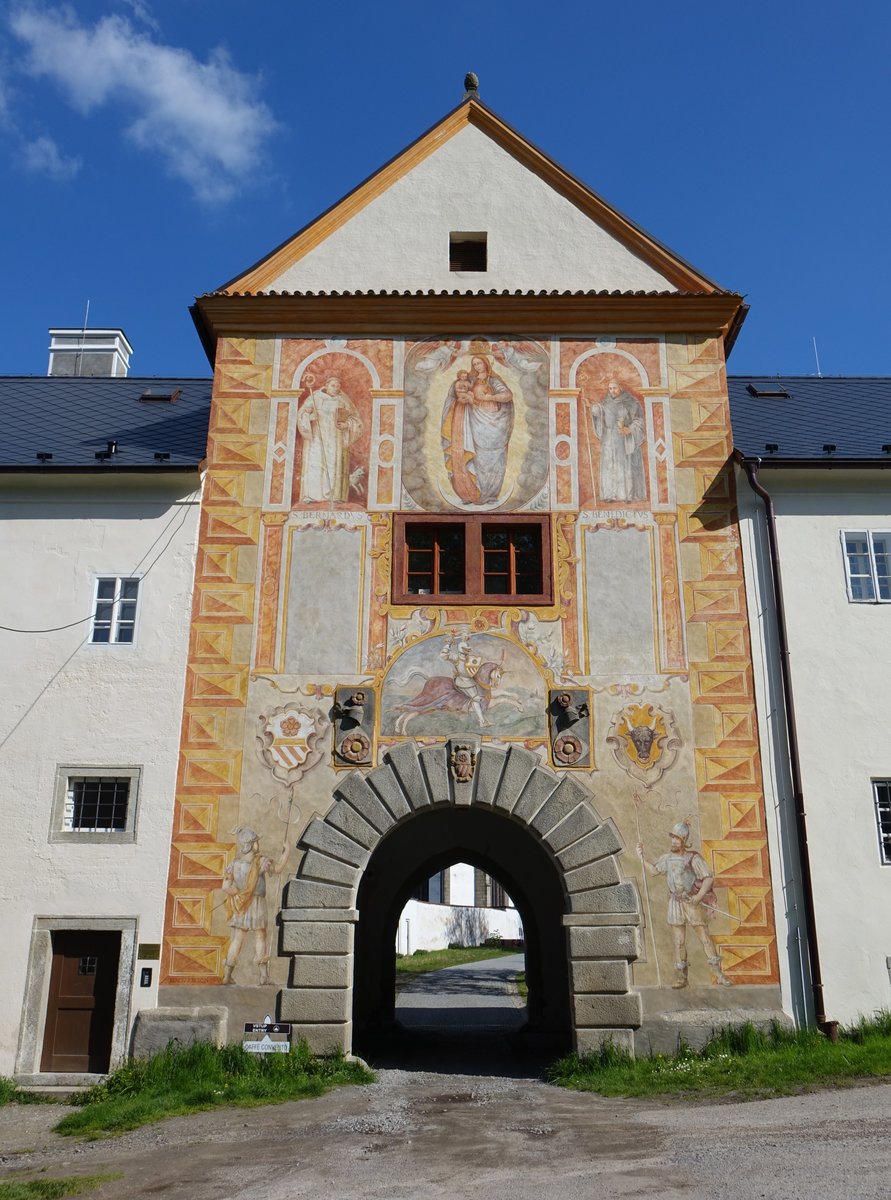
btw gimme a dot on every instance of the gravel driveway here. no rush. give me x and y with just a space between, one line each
461 1132
416 1135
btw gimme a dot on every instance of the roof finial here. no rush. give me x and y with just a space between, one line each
471 86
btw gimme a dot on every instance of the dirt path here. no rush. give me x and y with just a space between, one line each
419 1135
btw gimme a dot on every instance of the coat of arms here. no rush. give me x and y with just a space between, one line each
287 742
644 741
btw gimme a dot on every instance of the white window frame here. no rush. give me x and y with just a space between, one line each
880 801
116 608
65 776
867 535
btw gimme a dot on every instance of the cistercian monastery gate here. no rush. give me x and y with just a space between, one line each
501 810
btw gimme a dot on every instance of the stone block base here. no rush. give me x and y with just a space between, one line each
155 1028
324 1038
590 1041
694 1015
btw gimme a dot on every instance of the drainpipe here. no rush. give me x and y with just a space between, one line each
750 466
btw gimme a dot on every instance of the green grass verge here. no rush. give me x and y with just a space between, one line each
422 961
740 1062
522 985
52 1189
10 1093
190 1079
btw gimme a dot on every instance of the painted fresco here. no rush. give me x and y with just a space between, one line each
462 683
333 422
475 424
295 353
614 435
643 540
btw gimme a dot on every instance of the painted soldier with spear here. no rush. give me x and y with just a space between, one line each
691 901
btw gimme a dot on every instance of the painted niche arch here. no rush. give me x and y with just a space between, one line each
600 914
612 352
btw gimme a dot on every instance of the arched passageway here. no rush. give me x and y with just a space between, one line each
537 830
485 838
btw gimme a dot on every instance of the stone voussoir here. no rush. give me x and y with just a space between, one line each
519 766
319 835
599 843
320 866
619 898
356 792
580 821
600 873
344 817
540 785
404 761
489 769
385 782
568 797
434 764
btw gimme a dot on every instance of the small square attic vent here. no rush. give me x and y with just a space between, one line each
468 251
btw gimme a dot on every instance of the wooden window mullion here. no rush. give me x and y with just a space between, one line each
474 564
474 579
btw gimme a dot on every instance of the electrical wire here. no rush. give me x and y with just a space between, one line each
186 505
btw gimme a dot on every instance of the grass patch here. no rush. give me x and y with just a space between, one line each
742 1062
10 1093
422 961
522 985
53 1189
191 1079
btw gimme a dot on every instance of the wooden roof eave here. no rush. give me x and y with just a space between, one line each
216 315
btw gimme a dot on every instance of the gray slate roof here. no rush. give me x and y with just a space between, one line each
72 418
853 413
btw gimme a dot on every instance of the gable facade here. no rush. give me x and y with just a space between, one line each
327 453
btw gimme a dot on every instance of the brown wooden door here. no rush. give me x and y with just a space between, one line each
80 1008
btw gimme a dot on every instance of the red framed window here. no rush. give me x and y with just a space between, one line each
472 560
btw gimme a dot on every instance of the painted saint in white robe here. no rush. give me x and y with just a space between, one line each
619 424
329 423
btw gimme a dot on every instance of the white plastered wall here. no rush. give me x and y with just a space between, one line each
536 238
65 701
839 655
424 926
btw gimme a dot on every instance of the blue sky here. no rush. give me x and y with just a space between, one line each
152 149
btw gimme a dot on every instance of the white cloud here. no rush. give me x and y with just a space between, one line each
143 13
43 157
203 118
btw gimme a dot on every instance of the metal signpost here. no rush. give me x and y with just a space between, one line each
267 1037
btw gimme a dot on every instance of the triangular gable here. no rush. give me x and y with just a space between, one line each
360 242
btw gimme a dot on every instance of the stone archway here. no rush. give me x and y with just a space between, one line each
600 915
